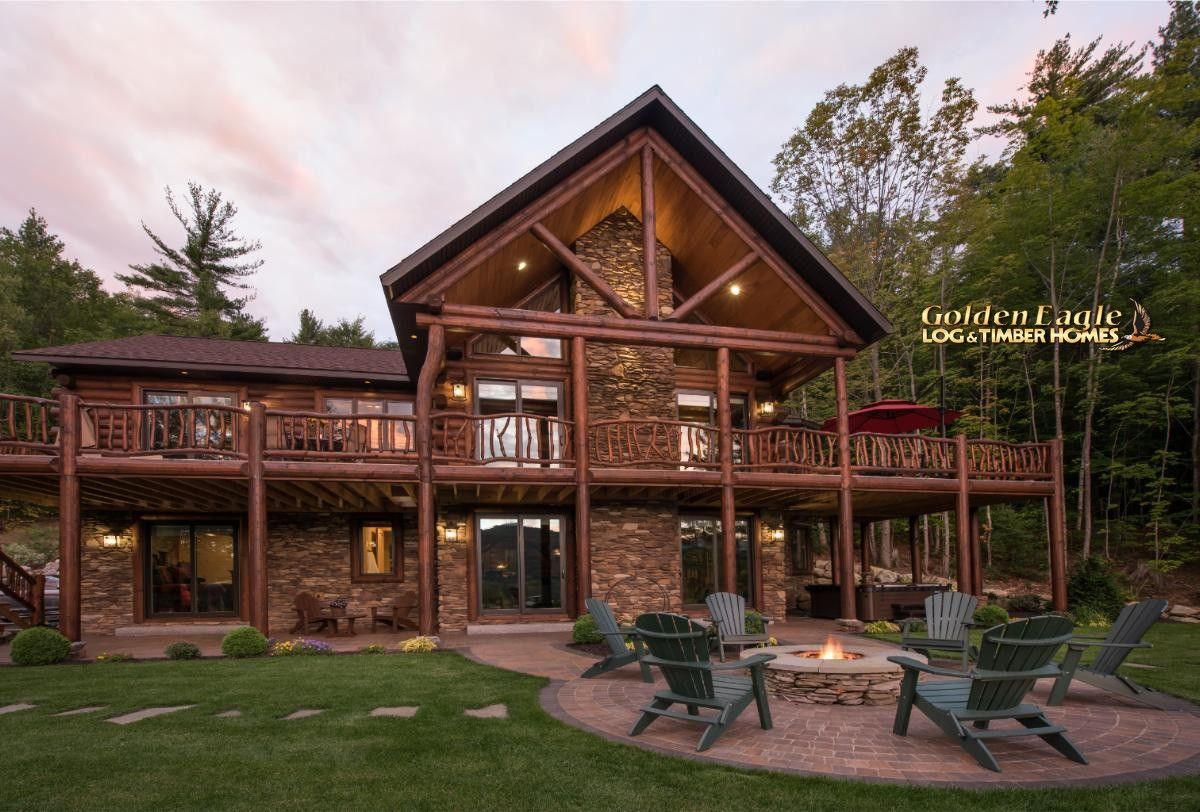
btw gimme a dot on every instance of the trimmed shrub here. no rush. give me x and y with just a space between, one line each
990 615
39 645
1094 585
585 631
183 651
754 622
373 648
1027 604
244 641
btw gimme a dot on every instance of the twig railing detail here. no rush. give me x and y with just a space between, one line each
508 438
996 459
786 448
22 586
630 443
27 424
323 435
902 454
185 430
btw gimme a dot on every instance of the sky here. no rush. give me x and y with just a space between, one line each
349 135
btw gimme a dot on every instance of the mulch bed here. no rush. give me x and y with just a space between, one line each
594 649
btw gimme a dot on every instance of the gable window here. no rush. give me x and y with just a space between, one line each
176 426
377 435
377 549
548 299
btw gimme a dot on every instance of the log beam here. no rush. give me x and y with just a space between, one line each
583 496
70 528
708 291
257 517
583 271
426 510
728 548
649 235
848 595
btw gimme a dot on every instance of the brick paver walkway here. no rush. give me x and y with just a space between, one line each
1122 740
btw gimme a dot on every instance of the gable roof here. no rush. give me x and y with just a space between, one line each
656 110
226 356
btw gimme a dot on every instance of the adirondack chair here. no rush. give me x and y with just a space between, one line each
308 613
679 648
1124 636
1011 659
615 635
397 614
948 620
728 613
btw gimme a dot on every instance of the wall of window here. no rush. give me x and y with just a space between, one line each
700 539
166 429
507 436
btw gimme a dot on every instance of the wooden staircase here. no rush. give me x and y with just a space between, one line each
22 594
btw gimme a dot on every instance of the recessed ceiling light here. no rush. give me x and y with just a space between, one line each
522 265
367 382
735 289
183 372
413 336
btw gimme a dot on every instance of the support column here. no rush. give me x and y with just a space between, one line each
256 438
70 529
583 496
426 510
962 516
864 546
1056 510
835 573
849 603
649 240
728 549
912 549
976 555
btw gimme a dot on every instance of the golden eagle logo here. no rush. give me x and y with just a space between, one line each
1140 333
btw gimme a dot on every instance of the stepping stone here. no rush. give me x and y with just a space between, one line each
229 714
77 711
146 713
20 706
490 712
303 713
405 711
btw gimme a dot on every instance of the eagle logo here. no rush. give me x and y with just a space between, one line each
1140 333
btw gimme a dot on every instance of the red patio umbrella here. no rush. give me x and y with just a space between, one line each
893 417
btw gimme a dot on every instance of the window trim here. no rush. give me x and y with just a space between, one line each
357 523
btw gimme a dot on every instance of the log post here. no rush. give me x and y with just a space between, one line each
426 510
728 548
976 555
864 555
1056 509
835 573
257 518
849 603
70 528
912 549
583 496
649 239
962 516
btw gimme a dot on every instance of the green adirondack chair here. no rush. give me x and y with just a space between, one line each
679 648
1011 659
728 613
615 635
1124 636
949 617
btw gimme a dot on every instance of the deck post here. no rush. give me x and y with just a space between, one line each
649 239
70 529
864 546
1056 509
426 510
728 546
976 555
583 496
848 594
835 571
962 515
257 518
912 549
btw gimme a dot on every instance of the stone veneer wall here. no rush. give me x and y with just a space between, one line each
636 556
452 580
311 553
106 580
773 569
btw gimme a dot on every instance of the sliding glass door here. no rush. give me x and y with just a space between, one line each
520 563
513 427
192 569
700 551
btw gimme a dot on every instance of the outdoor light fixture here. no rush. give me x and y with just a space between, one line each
245 405
522 265
451 533
458 390
773 534
111 540
735 289
767 407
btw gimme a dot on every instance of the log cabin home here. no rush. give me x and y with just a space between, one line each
584 402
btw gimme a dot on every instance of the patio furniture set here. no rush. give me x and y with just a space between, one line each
992 684
316 615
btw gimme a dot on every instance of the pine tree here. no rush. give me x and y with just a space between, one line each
344 333
192 290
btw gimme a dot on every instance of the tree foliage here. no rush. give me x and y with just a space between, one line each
342 333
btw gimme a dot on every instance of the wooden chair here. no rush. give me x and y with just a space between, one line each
397 614
728 613
615 635
949 617
309 611
679 648
1012 658
1124 636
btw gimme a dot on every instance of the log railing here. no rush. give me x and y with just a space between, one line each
511 438
321 435
653 443
902 454
22 586
786 449
201 431
996 459
27 425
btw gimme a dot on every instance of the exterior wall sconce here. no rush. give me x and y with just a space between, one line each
458 390
245 405
111 541
766 408
774 534
450 533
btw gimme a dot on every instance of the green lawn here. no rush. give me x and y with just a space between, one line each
1176 655
344 759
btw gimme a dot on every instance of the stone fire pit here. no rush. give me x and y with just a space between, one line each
868 679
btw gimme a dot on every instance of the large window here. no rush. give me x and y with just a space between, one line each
192 569
511 428
376 435
209 429
377 551
701 408
700 539
520 563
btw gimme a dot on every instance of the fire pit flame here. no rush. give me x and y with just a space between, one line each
832 650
